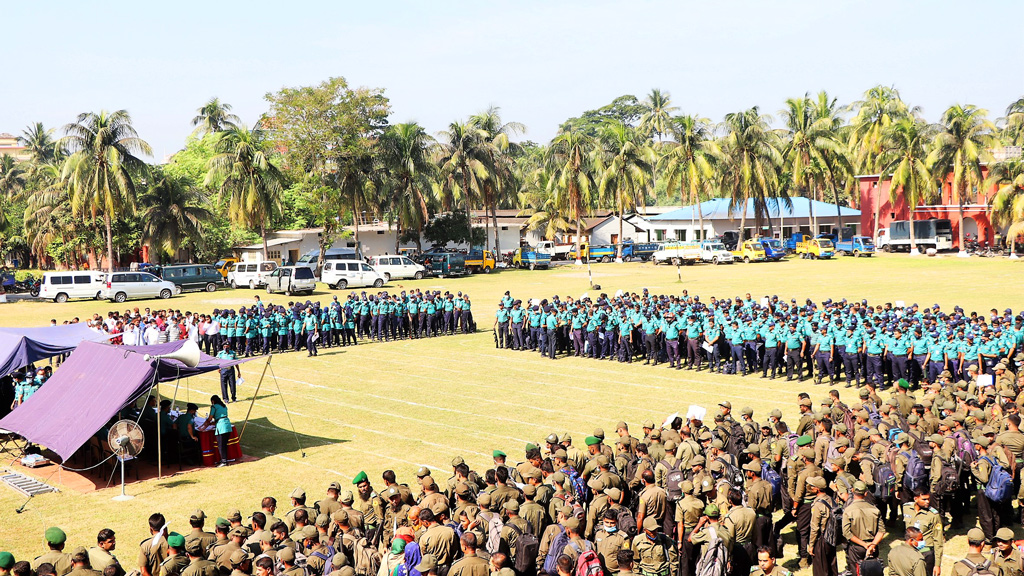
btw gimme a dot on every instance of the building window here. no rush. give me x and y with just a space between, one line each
681 235
381 232
659 235
504 228
274 254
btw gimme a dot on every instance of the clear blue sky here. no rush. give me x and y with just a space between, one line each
541 62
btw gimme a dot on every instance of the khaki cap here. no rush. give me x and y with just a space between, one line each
298 494
427 563
340 516
346 497
239 556
286 554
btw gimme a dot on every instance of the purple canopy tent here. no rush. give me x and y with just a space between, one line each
91 387
23 346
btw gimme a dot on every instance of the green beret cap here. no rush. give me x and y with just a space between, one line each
176 540
55 536
591 440
6 560
497 454
361 477
804 440
711 511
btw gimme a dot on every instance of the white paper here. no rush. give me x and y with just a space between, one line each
668 421
695 412
240 381
765 301
900 303
707 347
986 380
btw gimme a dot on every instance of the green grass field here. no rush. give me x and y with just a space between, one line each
406 404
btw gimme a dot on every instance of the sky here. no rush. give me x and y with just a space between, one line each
539 61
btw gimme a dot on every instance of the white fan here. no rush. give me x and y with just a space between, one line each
126 441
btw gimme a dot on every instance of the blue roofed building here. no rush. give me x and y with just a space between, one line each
780 221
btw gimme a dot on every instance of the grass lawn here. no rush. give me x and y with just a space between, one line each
406 404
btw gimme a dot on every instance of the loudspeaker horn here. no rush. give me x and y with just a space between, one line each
188 355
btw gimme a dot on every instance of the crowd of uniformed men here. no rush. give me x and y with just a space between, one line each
836 340
683 498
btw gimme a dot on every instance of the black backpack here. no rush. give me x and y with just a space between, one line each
673 480
626 522
833 533
527 546
949 479
737 441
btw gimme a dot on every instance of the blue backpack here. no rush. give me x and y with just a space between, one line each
916 475
772 477
1000 483
580 490
558 544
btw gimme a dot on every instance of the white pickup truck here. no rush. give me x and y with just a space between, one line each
556 250
679 253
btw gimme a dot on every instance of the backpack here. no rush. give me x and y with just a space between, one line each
848 420
832 453
578 487
833 532
885 480
715 559
791 439
922 448
626 522
327 562
949 479
494 526
1000 483
873 416
631 467
587 562
366 559
731 474
525 553
769 475
892 434
558 543
983 569
673 480
965 452
737 441
916 475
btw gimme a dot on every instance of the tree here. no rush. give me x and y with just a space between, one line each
213 117
538 200
39 143
249 180
628 166
102 166
463 164
12 182
497 151
451 228
878 110
1014 123
657 118
960 148
173 214
405 154
691 161
571 157
1008 202
750 150
626 109
903 156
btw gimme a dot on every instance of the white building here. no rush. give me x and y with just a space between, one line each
780 222
605 230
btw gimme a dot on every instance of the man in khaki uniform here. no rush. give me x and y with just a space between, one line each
689 511
766 565
396 514
739 524
287 558
904 558
241 563
1006 556
55 540
101 555
329 504
197 520
431 495
471 564
552 531
176 560
802 500
609 541
220 553
367 502
80 563
153 550
652 501
198 565
533 513
654 553
919 514
974 558
823 554
863 529
596 508
298 497
440 541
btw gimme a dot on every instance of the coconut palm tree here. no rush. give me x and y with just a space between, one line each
1014 123
904 158
359 178
571 157
213 117
173 213
498 152
463 165
249 180
960 148
405 153
12 182
657 120
628 168
1008 202
691 162
100 172
538 202
39 143
752 160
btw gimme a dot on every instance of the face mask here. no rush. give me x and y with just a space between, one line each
611 529
649 536
920 545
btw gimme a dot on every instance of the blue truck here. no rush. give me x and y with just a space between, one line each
530 258
773 249
639 251
856 246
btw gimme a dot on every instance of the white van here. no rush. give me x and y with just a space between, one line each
60 286
391 266
342 274
121 286
291 280
252 274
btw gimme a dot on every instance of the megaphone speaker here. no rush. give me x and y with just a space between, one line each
188 355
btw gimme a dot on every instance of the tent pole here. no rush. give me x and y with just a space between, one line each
159 439
254 395
287 413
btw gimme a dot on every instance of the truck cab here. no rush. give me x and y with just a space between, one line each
856 246
530 258
750 251
773 249
815 248
714 251
479 260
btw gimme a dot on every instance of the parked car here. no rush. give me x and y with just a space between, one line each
193 277
62 286
390 266
311 259
121 286
224 266
291 280
342 274
251 274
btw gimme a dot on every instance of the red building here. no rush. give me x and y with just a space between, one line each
976 216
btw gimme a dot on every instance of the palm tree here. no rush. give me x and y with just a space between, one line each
359 178
173 213
657 121
537 200
960 148
571 157
1008 202
405 152
691 162
101 168
752 159
463 166
213 117
39 143
498 151
1014 120
904 157
880 107
628 166
252 183
12 182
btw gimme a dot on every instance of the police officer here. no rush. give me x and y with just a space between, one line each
905 558
920 515
863 529
654 553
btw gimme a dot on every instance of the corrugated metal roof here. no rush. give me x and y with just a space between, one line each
718 209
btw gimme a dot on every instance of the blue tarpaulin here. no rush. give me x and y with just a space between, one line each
22 346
